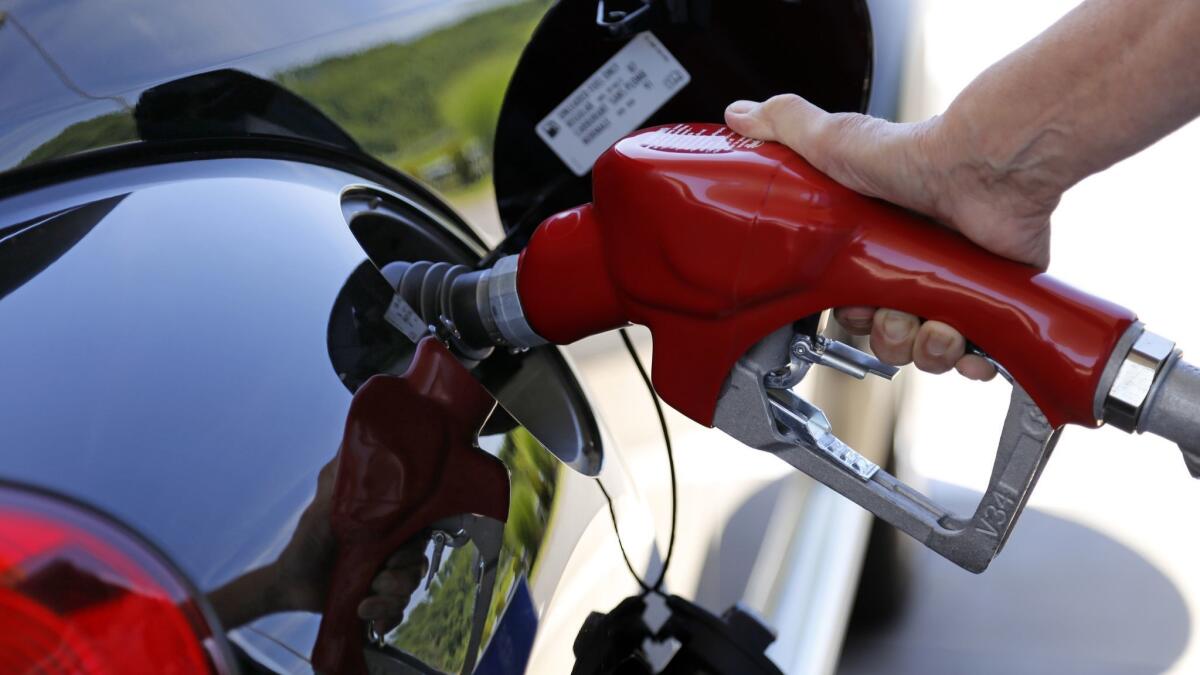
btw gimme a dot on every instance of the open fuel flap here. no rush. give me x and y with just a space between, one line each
596 70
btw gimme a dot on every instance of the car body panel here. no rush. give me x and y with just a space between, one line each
172 364
392 73
172 368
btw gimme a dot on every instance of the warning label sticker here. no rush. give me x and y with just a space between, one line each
614 101
404 319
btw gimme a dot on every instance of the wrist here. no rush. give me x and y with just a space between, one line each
247 597
1016 165
943 153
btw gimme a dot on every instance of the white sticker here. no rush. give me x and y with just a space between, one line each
614 101
404 319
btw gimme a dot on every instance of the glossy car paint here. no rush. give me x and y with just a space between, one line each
714 240
388 77
173 368
206 269
155 366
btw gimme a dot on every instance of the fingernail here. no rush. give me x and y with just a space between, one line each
740 107
895 327
937 344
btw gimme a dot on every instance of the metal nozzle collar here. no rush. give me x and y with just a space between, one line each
505 305
1134 380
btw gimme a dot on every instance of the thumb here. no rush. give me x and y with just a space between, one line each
787 119
831 143
868 155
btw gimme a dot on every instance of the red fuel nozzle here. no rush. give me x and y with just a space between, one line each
713 241
719 244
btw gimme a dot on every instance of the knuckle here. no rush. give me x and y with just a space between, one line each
384 583
839 140
790 118
781 103
856 320
840 128
843 122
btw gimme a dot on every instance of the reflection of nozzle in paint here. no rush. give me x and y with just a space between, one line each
408 462
488 536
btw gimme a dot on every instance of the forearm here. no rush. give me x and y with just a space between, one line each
1101 84
246 598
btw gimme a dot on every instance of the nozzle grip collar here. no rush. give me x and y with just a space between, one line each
504 306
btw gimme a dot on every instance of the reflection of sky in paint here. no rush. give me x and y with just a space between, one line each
492 444
116 46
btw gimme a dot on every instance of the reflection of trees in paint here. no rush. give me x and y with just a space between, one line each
428 107
436 630
97 132
534 475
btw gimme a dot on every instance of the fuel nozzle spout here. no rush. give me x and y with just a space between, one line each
1155 391
474 310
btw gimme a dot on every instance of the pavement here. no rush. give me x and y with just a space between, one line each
1101 573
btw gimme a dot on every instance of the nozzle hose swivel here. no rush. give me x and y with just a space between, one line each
1153 390
1172 410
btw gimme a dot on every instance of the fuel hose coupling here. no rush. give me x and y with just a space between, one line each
474 310
1155 391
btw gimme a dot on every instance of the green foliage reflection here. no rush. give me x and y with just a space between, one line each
437 629
97 132
429 106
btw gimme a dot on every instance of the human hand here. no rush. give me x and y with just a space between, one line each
304 567
393 586
298 580
940 168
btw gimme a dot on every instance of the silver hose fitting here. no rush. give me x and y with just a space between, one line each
1155 391
473 310
1172 410
1135 377
505 306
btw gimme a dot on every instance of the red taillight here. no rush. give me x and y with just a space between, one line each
80 595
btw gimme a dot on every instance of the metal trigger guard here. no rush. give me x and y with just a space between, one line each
750 412
488 536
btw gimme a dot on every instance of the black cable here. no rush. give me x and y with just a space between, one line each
662 421
518 235
621 544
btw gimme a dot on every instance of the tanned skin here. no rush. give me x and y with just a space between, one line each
1107 80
